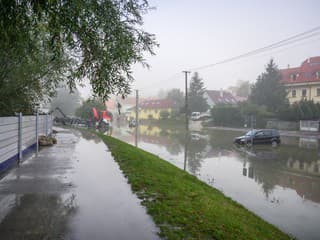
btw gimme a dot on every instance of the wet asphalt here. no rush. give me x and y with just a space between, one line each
72 190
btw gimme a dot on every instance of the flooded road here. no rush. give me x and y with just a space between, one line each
280 184
73 190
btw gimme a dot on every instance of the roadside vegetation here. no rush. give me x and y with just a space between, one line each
267 101
182 206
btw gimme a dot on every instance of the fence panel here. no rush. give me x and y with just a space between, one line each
312 126
11 136
8 138
28 131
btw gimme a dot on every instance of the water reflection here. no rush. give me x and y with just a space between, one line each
286 166
198 146
287 176
38 216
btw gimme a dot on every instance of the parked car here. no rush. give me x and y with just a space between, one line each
259 136
195 116
132 123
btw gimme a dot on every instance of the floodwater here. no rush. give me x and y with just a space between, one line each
73 190
281 184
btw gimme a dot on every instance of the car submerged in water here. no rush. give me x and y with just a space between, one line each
259 136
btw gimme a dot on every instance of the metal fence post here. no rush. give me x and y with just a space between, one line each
46 124
51 124
20 136
37 131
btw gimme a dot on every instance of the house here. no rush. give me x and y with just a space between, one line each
150 109
215 97
303 82
126 104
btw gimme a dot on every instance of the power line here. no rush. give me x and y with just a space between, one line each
287 41
284 42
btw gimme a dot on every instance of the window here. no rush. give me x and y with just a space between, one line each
304 92
260 134
268 133
318 91
318 75
294 93
294 76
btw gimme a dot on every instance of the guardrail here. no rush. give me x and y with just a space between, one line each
19 134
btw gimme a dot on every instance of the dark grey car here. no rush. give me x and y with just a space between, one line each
259 136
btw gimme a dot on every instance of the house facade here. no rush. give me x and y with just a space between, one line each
303 83
215 97
150 109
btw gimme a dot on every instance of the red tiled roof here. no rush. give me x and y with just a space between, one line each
221 97
128 101
307 72
156 104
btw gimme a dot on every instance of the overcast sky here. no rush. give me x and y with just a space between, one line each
196 33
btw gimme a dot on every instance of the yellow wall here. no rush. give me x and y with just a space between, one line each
144 113
311 91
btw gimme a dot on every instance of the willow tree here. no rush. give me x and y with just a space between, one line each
43 43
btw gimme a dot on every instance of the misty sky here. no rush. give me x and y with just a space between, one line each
196 33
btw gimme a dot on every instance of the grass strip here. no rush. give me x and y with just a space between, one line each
182 206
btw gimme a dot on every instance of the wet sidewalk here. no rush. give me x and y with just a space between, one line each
73 190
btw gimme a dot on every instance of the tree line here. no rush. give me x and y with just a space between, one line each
267 100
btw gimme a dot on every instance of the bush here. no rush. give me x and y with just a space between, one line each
238 116
303 110
260 113
227 115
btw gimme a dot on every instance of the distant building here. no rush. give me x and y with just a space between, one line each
215 97
303 82
150 109
126 105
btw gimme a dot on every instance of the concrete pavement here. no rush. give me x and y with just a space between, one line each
72 190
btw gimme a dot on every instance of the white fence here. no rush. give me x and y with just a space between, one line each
312 126
19 134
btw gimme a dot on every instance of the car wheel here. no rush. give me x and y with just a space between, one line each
274 143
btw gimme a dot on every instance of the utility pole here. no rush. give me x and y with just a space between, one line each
137 106
186 100
137 117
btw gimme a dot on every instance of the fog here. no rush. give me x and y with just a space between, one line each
196 33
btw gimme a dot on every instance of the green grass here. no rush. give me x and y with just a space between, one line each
182 206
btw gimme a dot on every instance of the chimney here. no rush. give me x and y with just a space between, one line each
288 66
221 93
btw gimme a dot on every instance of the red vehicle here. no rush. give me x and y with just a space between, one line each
102 120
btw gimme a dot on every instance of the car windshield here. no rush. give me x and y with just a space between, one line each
251 133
